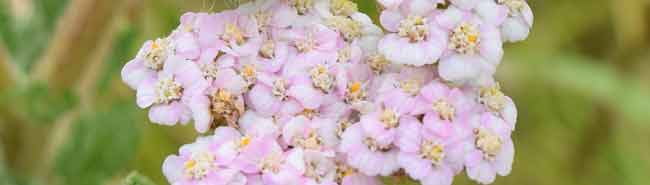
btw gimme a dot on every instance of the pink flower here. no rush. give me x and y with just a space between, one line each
364 153
272 56
294 13
382 124
253 124
283 95
315 44
219 98
426 157
317 168
196 164
518 18
400 90
474 47
147 63
414 38
238 33
495 101
490 150
168 93
445 109
315 134
265 156
185 37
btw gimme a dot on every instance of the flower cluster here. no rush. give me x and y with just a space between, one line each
312 92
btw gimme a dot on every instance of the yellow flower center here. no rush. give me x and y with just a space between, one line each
312 141
465 39
233 33
280 89
343 7
199 165
321 78
156 56
432 151
301 6
225 106
488 143
305 45
349 28
445 110
514 6
268 49
389 118
414 28
410 86
167 90
355 92
492 97
377 63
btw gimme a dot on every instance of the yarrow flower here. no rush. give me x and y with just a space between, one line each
289 92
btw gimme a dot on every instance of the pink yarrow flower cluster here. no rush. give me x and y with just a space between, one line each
293 92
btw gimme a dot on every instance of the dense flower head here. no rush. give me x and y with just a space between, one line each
292 92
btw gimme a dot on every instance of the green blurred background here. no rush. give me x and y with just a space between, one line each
581 82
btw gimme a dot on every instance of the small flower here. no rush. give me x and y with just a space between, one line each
497 102
414 38
364 153
283 95
197 164
315 44
219 100
426 157
490 150
168 93
518 22
317 167
474 49
315 134
231 32
445 109
295 13
147 63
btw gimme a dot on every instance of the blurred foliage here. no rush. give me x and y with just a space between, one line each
24 38
135 178
100 144
580 83
37 103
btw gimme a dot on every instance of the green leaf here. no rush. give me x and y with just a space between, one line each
369 8
100 144
136 178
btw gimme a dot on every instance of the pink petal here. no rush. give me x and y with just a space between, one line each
187 46
390 20
459 68
309 97
482 173
491 12
414 166
146 94
441 176
172 168
134 72
465 4
408 135
168 114
491 45
503 162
